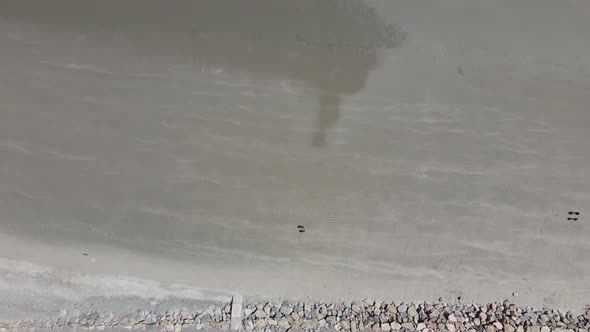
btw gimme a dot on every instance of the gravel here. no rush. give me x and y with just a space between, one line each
313 316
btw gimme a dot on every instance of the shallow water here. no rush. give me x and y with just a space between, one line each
427 148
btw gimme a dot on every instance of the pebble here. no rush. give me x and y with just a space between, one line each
286 310
284 322
434 313
356 307
260 314
344 324
413 313
260 323
483 317
395 326
409 326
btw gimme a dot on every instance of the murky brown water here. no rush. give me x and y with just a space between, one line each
418 143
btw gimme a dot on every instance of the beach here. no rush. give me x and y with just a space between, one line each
310 151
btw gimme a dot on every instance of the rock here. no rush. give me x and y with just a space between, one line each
483 317
476 321
403 316
413 314
311 324
284 323
205 318
260 323
260 314
185 314
344 325
217 314
271 317
356 307
409 326
286 310
434 313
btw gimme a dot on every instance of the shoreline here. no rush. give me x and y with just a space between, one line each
182 152
42 276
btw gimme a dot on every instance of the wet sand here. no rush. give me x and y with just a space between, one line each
429 149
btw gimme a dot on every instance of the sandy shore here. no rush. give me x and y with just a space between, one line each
426 148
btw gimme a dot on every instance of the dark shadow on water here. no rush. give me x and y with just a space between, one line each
328 115
329 46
